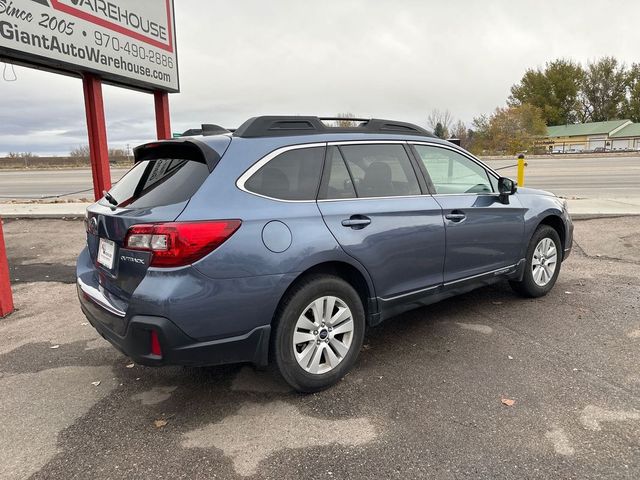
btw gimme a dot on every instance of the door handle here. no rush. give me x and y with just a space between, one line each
455 216
356 222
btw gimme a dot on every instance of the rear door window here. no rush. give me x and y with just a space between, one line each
337 183
152 183
292 175
380 170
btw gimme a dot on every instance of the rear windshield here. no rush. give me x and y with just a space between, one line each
152 183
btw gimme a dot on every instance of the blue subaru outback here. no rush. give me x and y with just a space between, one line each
283 240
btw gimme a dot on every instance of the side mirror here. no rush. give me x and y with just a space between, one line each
506 187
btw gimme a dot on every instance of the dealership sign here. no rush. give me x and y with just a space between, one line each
128 43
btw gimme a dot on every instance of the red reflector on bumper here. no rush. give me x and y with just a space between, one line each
155 344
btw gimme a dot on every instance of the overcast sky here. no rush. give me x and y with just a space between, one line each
392 59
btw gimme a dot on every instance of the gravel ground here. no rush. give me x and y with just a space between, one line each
425 400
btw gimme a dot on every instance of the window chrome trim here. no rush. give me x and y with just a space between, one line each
366 142
422 195
240 183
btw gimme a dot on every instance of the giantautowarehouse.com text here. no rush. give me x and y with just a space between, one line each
52 43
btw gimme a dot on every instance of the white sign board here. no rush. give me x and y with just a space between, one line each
126 42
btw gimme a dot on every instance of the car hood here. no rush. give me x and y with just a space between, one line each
534 191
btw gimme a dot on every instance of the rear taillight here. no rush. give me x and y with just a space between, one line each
179 243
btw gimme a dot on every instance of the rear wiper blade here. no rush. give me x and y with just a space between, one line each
110 198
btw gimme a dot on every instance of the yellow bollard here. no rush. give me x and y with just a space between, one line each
521 165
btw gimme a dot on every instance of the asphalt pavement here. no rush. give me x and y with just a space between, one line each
605 177
483 386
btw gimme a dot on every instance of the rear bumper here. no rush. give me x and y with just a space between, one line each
177 347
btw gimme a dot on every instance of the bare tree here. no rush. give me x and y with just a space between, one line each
27 155
81 151
346 122
461 132
442 117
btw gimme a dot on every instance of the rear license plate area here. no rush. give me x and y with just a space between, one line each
106 253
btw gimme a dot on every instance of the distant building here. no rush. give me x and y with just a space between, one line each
626 138
590 137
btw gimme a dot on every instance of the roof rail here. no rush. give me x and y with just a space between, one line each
205 129
278 126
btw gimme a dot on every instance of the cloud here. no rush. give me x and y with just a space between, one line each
386 59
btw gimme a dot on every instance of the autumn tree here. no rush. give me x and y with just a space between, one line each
508 130
555 90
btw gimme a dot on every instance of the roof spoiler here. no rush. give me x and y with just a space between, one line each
187 149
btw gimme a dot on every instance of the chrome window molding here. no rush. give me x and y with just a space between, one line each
240 183
367 142
373 198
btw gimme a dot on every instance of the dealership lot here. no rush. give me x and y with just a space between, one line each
430 397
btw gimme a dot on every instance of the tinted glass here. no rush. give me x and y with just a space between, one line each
292 175
152 183
452 172
380 170
338 182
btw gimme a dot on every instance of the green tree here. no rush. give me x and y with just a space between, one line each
439 131
554 90
604 90
631 109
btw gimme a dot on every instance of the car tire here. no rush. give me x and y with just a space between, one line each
312 347
536 283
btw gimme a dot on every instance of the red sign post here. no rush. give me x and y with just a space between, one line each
163 122
97 130
99 45
6 298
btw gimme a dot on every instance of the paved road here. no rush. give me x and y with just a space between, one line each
425 399
580 177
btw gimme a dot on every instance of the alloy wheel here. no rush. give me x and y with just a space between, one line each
323 334
544 261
